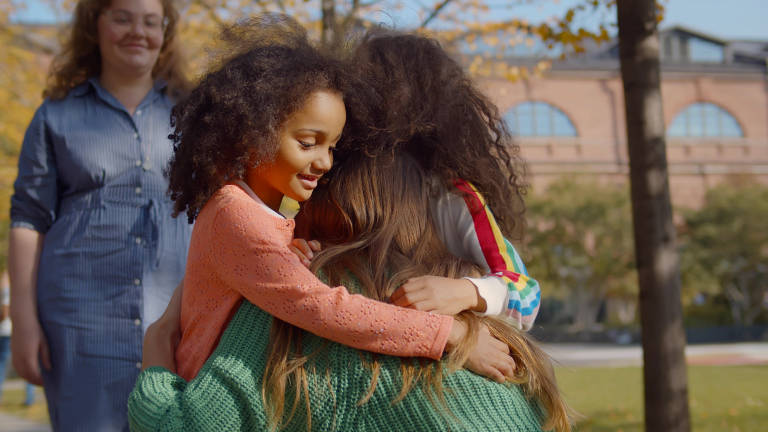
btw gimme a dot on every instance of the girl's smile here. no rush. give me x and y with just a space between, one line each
307 139
308 181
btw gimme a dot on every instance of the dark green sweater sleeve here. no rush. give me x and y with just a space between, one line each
155 404
224 396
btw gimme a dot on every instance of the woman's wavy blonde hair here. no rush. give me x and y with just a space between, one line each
374 223
80 59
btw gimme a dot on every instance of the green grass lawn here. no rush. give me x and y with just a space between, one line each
722 398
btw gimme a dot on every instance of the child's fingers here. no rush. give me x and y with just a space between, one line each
409 286
405 297
304 260
501 347
506 366
304 247
424 305
498 367
397 294
298 252
315 245
495 374
502 360
401 301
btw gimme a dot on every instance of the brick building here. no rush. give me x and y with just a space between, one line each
715 95
571 120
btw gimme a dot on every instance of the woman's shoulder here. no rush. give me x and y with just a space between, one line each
49 113
62 105
77 91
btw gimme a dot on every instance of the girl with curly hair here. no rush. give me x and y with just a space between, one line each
262 126
365 219
94 253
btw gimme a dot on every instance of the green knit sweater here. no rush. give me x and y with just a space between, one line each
226 394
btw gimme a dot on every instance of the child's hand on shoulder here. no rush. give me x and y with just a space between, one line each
305 250
491 357
437 294
480 352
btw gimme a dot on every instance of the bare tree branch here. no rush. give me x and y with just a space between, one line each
211 9
370 3
29 40
35 45
349 18
489 28
434 13
328 20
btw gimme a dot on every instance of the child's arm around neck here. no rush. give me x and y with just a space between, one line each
246 253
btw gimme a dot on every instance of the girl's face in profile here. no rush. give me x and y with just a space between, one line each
306 142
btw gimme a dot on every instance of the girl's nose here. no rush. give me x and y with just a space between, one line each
324 162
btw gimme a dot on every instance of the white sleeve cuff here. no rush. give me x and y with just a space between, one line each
493 291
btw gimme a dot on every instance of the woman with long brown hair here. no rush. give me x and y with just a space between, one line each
94 253
371 218
267 373
444 157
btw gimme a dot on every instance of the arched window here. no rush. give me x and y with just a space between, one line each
539 119
704 119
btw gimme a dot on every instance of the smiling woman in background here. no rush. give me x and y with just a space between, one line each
94 253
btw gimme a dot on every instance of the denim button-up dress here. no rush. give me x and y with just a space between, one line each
91 180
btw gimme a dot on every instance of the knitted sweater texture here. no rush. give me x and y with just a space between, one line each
226 394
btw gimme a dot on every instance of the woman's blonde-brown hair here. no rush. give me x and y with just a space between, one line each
80 59
374 223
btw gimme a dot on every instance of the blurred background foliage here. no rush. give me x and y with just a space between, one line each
580 248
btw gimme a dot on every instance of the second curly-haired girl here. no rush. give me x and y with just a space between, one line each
432 110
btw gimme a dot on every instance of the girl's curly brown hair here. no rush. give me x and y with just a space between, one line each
80 57
230 122
431 109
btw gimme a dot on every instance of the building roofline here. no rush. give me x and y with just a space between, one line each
695 32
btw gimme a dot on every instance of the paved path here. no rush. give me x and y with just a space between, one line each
597 355
10 423
573 355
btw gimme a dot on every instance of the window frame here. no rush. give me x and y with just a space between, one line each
554 116
685 120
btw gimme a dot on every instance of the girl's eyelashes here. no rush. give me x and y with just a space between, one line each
307 145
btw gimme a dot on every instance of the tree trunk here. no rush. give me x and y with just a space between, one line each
328 30
663 336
